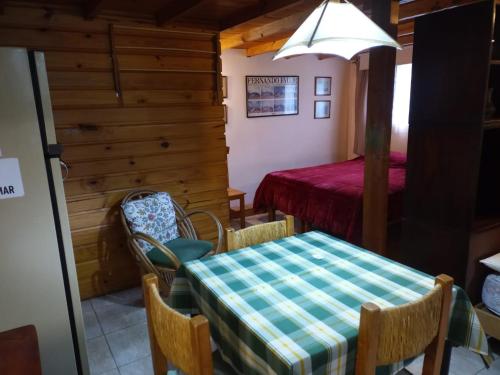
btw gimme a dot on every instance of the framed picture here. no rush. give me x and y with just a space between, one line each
224 87
272 96
225 113
322 86
322 109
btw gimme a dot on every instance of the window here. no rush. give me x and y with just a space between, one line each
401 104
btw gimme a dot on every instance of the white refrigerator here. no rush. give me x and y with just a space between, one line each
38 283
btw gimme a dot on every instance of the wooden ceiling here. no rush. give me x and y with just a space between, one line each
269 32
258 26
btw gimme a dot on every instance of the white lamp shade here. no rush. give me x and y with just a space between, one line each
343 30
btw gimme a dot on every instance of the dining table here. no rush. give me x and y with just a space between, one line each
292 306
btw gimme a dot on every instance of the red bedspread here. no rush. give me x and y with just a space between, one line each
329 196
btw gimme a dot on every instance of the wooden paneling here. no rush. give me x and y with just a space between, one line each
166 132
74 61
48 39
86 185
128 115
91 133
172 61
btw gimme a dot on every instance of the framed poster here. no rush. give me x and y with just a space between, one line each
322 109
224 87
272 96
322 86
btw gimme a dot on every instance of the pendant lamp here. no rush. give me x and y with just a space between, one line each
336 28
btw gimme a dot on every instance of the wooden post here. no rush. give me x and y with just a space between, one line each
378 129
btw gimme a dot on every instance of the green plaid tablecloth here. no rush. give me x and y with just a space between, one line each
292 306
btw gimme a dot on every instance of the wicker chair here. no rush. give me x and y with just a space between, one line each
183 341
397 333
166 270
260 233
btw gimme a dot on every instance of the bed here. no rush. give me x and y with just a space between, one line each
330 196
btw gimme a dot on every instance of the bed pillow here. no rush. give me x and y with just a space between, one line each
493 262
153 215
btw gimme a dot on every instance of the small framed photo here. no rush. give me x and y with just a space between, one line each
322 86
322 109
224 87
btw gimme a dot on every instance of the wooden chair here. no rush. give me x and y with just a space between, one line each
183 341
260 233
397 333
165 260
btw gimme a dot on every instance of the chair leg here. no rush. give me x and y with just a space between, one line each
445 367
304 226
271 214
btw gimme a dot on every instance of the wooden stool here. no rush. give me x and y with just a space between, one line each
234 194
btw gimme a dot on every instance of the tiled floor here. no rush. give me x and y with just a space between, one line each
117 337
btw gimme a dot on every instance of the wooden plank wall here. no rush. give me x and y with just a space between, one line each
166 132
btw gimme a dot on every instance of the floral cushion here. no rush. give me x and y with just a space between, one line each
154 216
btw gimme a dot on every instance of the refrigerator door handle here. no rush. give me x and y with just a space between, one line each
65 167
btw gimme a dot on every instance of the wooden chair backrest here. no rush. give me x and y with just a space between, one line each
182 341
260 233
397 333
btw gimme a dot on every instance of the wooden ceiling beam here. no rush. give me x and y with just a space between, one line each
273 46
422 7
406 40
283 29
280 29
405 37
91 8
174 9
251 12
266 47
406 28
233 41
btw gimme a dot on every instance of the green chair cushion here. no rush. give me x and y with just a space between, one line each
185 249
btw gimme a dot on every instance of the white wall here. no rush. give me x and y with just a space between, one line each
262 145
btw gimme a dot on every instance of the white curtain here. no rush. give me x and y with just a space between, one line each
400 111
401 108
360 107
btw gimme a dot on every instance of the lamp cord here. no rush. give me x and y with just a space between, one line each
317 25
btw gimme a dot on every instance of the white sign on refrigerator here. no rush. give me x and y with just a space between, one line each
11 183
